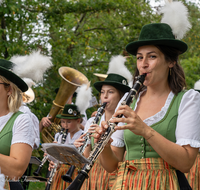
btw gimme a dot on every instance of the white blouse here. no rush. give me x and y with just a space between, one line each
35 122
188 121
117 136
69 140
22 131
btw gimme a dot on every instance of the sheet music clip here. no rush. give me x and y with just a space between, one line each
65 154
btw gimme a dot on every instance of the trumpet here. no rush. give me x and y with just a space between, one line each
99 146
68 175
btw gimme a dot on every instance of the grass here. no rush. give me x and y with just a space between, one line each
36 186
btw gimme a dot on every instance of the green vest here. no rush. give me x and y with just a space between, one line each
137 147
6 135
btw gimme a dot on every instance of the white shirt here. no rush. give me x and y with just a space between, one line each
22 131
69 140
117 136
35 122
188 121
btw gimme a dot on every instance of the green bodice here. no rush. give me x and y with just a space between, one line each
137 147
6 135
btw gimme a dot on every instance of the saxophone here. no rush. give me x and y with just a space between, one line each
99 146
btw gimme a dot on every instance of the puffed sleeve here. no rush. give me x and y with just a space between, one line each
87 126
23 130
188 121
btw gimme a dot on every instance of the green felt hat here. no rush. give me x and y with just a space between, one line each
70 111
6 71
156 34
118 81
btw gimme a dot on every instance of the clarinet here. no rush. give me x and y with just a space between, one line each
51 175
64 136
53 170
44 159
68 175
99 146
95 121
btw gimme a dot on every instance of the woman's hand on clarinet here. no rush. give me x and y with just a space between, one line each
99 131
80 141
131 120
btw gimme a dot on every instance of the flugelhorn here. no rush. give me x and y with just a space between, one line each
99 146
68 176
71 79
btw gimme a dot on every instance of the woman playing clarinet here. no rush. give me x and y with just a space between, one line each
111 91
161 127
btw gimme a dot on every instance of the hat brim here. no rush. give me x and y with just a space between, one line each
14 79
197 90
60 116
117 85
180 45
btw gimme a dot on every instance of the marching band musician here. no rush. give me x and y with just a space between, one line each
111 91
46 122
161 130
16 129
70 119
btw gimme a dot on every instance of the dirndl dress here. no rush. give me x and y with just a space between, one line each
193 176
146 174
99 178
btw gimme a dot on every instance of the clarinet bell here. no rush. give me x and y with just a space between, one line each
68 176
37 172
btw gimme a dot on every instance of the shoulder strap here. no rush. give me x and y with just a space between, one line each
10 122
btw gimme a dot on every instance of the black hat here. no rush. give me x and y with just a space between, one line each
70 111
6 71
118 81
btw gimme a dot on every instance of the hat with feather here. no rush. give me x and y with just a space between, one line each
30 70
169 32
118 75
6 70
77 110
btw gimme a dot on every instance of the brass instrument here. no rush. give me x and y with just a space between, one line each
71 80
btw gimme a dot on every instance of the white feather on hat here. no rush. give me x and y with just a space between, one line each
31 66
197 85
175 14
84 95
117 66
